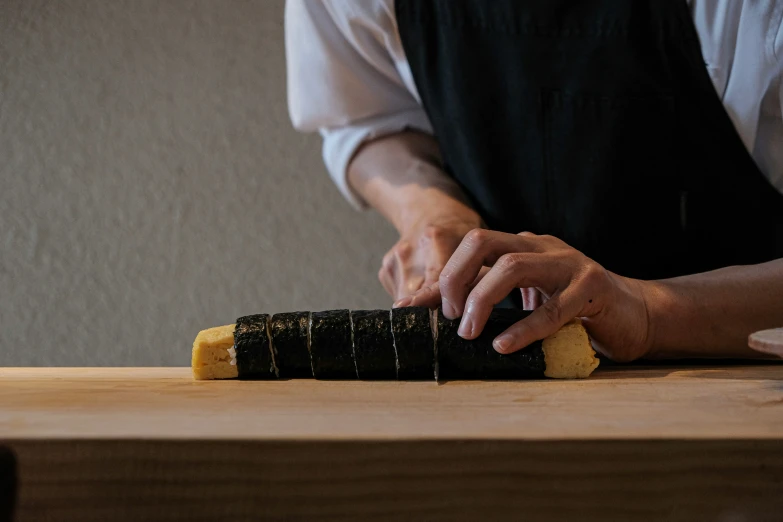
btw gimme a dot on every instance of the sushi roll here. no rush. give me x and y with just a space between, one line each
253 351
289 345
331 346
414 343
373 345
459 358
346 345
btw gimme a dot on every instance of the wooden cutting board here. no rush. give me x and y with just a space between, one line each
638 443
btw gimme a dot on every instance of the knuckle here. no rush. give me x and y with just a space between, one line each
388 257
475 298
477 236
551 242
526 234
431 276
593 276
433 232
403 249
445 279
509 262
434 267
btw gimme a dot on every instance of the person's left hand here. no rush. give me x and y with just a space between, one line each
572 285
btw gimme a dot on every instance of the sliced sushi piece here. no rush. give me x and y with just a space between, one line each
414 343
459 358
373 345
289 345
331 347
253 349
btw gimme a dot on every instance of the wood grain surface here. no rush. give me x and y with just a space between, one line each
656 443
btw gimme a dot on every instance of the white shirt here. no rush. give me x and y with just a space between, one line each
349 79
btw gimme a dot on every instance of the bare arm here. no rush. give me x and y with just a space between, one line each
712 314
401 177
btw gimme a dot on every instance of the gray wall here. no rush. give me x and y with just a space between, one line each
152 185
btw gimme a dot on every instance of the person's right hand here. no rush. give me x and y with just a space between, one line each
401 176
422 251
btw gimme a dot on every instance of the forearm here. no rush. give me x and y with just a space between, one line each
401 177
712 314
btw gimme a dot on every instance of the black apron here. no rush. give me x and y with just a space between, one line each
593 121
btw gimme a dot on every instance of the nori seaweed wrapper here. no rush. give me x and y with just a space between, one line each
414 343
251 342
289 343
477 359
373 345
331 347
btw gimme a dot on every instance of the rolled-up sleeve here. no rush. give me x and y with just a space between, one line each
342 81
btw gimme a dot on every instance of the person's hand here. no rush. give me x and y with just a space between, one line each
571 285
401 176
422 251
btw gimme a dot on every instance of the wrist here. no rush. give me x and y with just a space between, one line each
437 211
401 177
664 316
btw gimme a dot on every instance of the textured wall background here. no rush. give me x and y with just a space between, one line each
152 185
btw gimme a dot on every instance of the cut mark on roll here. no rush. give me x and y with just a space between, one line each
353 345
394 344
434 329
271 347
309 351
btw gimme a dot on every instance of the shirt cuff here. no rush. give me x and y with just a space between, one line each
340 144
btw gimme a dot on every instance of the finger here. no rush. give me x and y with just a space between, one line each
400 260
409 286
434 268
386 281
479 248
440 256
428 296
510 272
386 274
543 322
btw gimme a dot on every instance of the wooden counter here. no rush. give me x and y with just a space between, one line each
673 443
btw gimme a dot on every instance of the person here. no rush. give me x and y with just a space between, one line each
617 161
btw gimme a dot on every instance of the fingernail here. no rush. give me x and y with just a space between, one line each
502 343
465 329
448 310
405 301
